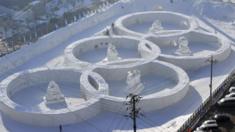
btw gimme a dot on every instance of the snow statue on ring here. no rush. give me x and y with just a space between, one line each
156 27
134 84
54 95
112 53
183 48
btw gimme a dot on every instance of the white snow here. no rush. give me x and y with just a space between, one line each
167 119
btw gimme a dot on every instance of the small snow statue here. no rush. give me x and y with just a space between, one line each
173 43
183 48
112 28
184 23
54 95
233 23
112 53
107 32
156 27
134 85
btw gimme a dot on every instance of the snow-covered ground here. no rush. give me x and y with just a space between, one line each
168 119
219 15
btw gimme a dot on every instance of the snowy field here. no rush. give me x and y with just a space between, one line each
227 28
166 120
219 15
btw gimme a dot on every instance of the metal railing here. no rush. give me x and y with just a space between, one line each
193 120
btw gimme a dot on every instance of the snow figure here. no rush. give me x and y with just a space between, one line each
134 85
56 26
183 48
173 43
112 53
107 32
74 18
158 8
184 23
156 27
112 29
233 23
112 26
54 94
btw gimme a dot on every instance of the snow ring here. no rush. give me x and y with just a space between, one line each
175 23
131 51
44 116
155 97
202 45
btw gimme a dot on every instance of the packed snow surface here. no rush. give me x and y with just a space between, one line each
167 119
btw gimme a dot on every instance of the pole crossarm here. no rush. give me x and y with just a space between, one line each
132 109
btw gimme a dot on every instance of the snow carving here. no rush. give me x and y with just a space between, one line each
233 23
183 48
54 95
156 27
184 23
107 32
134 84
112 53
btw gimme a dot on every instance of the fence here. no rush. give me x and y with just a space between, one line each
191 123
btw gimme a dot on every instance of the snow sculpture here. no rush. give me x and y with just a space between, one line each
173 43
158 8
54 94
107 32
112 53
112 28
133 81
156 26
184 23
183 48
233 23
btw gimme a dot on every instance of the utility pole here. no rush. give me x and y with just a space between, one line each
212 61
132 108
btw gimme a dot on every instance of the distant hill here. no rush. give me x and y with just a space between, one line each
15 4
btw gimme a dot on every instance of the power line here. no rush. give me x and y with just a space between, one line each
147 123
153 123
126 125
113 118
119 123
122 125
86 121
